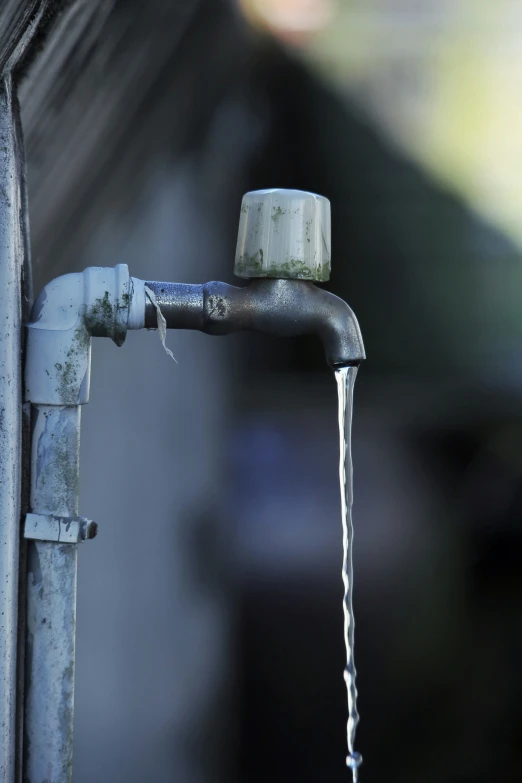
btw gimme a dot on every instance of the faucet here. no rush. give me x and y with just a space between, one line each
283 250
273 306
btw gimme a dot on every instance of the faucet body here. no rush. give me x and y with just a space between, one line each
284 308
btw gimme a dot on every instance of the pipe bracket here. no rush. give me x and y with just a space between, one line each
62 530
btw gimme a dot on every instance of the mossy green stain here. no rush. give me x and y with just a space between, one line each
248 263
101 319
68 373
277 213
293 269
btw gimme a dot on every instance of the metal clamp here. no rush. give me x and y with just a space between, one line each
63 530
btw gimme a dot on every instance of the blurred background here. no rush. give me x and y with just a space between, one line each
210 634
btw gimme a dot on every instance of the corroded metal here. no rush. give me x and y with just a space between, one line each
286 308
51 599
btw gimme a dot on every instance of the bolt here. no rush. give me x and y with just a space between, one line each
89 529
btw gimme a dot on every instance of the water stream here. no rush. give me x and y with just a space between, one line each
345 377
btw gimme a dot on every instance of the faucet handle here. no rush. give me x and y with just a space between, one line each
285 234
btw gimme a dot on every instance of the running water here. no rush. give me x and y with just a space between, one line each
345 377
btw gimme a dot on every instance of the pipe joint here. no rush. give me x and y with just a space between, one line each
69 311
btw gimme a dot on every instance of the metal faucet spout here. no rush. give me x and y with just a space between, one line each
279 307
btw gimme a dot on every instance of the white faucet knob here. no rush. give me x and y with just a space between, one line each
284 233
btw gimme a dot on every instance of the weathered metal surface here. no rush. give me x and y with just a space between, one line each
67 312
51 600
19 21
11 262
287 308
22 561
62 530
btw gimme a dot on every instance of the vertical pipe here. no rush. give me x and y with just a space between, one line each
11 263
27 303
51 600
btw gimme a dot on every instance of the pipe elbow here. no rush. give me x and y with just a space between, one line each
69 311
57 307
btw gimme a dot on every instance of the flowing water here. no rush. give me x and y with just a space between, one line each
345 377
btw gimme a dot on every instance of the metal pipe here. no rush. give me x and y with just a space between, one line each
286 308
51 599
181 304
11 262
66 314
19 22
